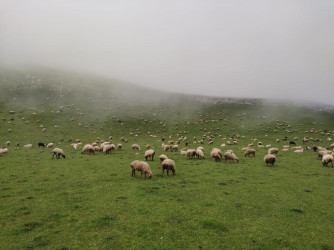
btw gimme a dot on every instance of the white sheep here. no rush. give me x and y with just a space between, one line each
174 148
107 148
141 166
168 164
229 155
216 154
7 143
298 151
27 146
135 147
190 153
49 145
119 146
162 157
58 152
149 154
165 147
3 151
75 145
249 151
199 153
88 148
327 159
269 159
273 151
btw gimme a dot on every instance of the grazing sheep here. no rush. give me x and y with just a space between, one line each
141 166
7 143
149 154
298 151
135 147
285 150
162 158
3 151
88 148
75 145
269 159
190 153
41 145
273 151
200 153
49 145
147 146
229 155
168 164
174 148
119 146
249 151
58 152
165 147
27 146
292 143
327 159
107 148
321 153
216 154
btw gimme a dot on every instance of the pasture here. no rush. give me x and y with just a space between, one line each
91 201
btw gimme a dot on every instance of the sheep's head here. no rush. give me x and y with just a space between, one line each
63 156
150 174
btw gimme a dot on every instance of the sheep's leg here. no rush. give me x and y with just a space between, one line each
53 155
167 172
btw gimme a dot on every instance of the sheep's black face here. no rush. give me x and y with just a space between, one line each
63 156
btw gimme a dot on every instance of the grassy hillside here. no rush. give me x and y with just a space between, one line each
91 201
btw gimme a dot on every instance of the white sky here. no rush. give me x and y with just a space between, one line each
234 48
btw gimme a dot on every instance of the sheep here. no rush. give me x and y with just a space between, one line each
147 146
7 143
321 153
58 152
327 159
162 158
49 145
199 153
168 164
88 149
298 151
119 146
285 150
135 147
149 154
269 159
215 154
107 148
292 143
190 153
141 166
174 148
273 151
250 151
229 155
75 145
41 145
27 146
165 147
3 151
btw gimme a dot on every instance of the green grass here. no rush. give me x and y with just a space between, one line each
92 202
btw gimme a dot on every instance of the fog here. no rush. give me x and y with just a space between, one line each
231 48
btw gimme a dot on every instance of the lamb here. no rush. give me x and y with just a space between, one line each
88 149
3 151
162 158
141 166
168 164
273 151
229 155
270 159
135 147
149 154
58 152
249 151
49 145
327 159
